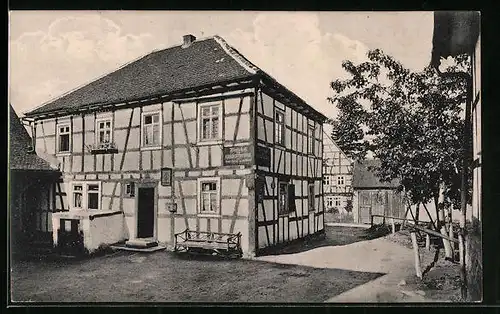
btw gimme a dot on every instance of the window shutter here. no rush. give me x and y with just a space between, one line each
291 198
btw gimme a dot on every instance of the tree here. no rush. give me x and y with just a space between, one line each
411 121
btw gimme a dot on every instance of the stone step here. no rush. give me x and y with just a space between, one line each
141 243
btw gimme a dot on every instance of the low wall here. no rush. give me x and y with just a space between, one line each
102 228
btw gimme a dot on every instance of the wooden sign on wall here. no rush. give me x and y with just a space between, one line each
237 155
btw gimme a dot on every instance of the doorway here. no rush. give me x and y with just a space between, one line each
146 212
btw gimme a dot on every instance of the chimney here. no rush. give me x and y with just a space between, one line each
188 40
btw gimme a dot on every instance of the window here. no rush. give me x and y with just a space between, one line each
209 196
337 201
279 127
104 132
326 180
312 141
311 197
329 201
130 189
151 129
340 180
63 138
86 195
77 196
283 199
210 120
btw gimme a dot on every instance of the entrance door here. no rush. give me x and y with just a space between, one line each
145 212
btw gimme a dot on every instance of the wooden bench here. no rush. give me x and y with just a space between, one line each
226 244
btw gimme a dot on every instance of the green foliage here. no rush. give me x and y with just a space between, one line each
411 121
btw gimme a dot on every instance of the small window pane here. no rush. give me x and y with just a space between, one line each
93 187
77 200
156 118
147 119
93 201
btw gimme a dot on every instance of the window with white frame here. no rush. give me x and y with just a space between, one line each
327 180
209 196
151 129
340 180
312 141
311 196
104 132
329 201
337 201
279 127
86 195
210 122
63 138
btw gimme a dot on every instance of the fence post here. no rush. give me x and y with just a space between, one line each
393 225
427 242
371 220
418 270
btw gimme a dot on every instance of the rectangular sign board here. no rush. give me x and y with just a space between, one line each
237 155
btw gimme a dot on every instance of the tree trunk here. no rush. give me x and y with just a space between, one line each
418 270
464 184
417 213
441 211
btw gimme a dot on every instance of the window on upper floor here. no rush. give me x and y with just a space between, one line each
312 141
340 180
327 180
63 138
210 122
104 132
151 129
279 127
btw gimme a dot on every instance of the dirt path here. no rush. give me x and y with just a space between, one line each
378 255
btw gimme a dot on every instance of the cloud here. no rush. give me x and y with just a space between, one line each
291 48
70 52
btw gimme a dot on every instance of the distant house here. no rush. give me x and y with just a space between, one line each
190 137
372 196
337 180
31 191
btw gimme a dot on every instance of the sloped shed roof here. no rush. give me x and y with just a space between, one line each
20 155
363 178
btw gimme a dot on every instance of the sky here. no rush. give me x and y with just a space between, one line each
53 52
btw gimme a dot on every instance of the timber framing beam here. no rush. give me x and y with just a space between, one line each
219 87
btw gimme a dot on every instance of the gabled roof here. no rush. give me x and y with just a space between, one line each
203 63
21 156
363 178
328 142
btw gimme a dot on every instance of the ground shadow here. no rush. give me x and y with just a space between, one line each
334 236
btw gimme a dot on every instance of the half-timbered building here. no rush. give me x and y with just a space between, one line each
190 137
337 180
